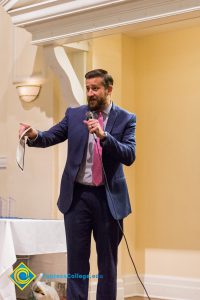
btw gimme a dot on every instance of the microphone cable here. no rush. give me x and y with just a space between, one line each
123 234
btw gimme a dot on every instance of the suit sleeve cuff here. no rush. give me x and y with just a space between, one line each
102 141
31 141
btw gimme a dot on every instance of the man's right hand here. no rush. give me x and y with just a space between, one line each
31 133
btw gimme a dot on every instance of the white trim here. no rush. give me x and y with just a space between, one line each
8 4
74 20
163 287
58 61
114 17
74 36
83 46
55 11
3 2
120 289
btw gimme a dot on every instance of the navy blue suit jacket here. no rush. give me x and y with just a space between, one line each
118 149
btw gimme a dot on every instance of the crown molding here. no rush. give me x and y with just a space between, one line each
58 21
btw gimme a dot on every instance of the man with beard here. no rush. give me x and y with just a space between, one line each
93 200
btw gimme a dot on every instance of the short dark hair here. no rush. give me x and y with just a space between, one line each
107 79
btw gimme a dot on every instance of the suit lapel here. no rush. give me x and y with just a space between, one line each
79 131
111 119
83 130
79 138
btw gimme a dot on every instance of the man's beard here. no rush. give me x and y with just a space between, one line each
96 103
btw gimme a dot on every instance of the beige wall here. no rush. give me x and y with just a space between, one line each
167 168
33 194
5 78
159 80
128 101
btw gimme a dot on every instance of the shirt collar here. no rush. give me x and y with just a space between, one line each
107 110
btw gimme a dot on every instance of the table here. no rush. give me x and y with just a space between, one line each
26 237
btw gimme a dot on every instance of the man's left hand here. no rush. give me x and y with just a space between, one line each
94 127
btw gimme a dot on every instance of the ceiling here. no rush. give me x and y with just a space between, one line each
62 21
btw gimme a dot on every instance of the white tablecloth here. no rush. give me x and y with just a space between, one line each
26 237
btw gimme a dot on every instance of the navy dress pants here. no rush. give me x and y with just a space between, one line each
89 214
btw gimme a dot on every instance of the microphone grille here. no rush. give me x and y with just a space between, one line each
89 115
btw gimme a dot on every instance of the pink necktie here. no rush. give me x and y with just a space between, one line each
97 174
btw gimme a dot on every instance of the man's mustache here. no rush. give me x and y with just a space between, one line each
92 98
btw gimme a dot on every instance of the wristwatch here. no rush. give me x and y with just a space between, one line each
104 138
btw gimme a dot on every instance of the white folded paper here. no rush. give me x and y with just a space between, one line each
20 153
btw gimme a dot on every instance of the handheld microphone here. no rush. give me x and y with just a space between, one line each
89 115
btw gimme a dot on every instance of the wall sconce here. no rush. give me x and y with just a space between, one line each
28 92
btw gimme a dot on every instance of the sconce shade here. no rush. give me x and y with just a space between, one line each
28 93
